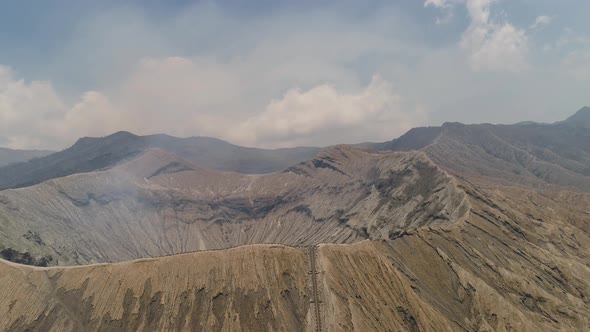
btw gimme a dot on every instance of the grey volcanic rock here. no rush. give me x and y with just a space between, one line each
91 154
157 204
414 139
9 156
517 261
531 154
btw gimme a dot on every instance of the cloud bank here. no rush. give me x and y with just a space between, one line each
183 96
291 74
490 45
299 116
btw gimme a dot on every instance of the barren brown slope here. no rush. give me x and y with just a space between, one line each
454 255
253 288
158 204
520 262
517 262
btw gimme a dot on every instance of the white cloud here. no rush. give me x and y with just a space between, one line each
92 115
301 117
222 81
496 47
446 6
174 95
33 115
187 97
437 3
178 95
25 108
232 83
541 21
491 45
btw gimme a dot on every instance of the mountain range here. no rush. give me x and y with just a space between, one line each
529 153
451 228
90 154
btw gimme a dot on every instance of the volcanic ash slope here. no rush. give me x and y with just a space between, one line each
158 204
442 253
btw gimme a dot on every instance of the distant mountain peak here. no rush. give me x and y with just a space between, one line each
584 111
122 133
90 154
581 118
453 124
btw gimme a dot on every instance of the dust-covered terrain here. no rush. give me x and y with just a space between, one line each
158 204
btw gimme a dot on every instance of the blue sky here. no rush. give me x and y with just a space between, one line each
285 73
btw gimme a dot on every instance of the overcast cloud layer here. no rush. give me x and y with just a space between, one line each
287 74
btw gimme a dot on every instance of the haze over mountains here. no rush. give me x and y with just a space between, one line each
10 156
540 152
580 119
458 227
90 154
157 204
527 153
